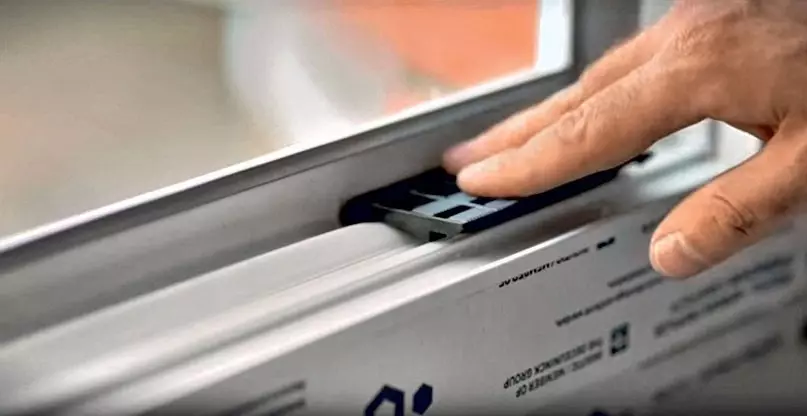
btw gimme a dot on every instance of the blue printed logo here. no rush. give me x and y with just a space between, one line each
421 400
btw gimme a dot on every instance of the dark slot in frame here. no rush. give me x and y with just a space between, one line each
374 206
459 209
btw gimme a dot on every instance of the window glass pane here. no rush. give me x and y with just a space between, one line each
102 100
354 62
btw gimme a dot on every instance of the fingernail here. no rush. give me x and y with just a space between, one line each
477 171
672 256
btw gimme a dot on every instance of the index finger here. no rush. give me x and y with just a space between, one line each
608 129
517 129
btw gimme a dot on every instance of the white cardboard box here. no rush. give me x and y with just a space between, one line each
568 325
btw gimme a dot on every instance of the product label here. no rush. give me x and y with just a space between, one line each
755 360
557 319
582 323
555 368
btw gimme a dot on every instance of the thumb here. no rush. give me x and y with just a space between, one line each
735 210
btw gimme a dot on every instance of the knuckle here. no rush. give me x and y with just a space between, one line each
789 195
787 184
572 126
708 27
731 217
693 44
685 42
694 64
694 39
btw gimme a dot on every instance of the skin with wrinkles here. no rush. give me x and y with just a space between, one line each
743 62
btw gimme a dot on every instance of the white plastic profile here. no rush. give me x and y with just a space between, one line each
192 268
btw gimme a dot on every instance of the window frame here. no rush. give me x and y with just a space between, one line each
166 236
594 26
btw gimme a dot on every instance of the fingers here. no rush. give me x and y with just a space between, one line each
734 211
611 127
518 129
514 131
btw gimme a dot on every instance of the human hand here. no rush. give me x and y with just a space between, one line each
743 62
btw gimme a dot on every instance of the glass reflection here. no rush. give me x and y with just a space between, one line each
102 100
350 62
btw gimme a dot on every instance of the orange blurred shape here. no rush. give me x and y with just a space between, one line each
400 99
458 43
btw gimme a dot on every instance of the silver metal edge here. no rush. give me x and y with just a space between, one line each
596 26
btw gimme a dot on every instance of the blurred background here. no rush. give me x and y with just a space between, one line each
102 100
